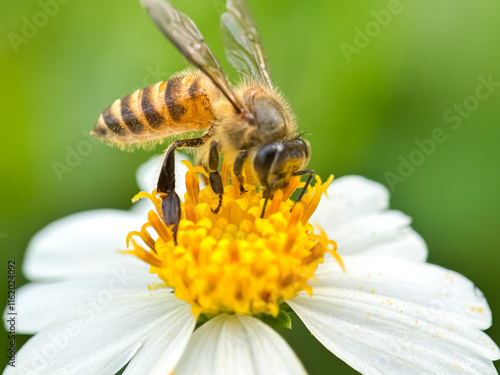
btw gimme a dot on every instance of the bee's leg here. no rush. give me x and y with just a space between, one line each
310 172
214 175
268 195
238 169
171 204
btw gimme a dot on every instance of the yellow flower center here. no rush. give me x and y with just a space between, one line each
235 261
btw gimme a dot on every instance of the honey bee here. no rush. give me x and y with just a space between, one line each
251 124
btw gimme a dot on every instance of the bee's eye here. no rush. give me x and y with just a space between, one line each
264 160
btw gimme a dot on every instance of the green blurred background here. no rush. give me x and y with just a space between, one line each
361 112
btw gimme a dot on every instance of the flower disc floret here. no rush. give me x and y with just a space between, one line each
235 261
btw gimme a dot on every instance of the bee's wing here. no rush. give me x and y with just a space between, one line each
242 41
183 33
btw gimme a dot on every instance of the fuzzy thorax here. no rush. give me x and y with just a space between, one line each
235 261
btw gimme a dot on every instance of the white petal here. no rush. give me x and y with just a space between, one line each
407 244
83 244
163 348
238 345
355 216
423 284
379 234
40 304
350 197
147 174
390 316
102 342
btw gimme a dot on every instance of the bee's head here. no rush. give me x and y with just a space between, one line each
275 163
268 115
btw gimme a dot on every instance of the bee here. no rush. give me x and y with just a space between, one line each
250 124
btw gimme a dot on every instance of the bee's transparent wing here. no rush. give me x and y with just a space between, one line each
242 41
183 33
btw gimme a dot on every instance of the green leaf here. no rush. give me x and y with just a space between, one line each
202 319
282 321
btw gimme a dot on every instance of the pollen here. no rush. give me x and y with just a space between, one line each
235 261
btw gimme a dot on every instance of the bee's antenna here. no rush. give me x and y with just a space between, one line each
300 135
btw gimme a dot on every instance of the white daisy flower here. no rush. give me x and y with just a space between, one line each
374 303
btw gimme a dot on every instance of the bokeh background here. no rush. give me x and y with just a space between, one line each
363 102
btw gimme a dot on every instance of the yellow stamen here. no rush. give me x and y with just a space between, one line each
158 226
314 198
144 235
235 261
293 185
140 253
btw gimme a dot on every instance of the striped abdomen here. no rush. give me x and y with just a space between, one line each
180 105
